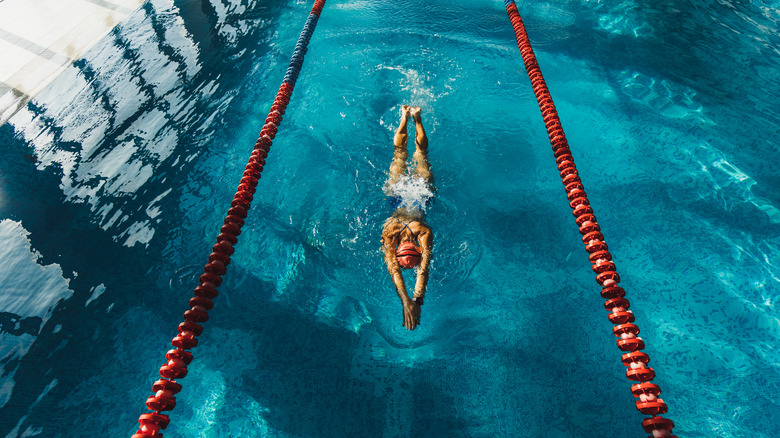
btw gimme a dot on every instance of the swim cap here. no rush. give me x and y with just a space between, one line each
408 255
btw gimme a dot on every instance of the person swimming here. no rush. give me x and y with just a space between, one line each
406 238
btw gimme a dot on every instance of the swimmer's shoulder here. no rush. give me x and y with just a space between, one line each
421 228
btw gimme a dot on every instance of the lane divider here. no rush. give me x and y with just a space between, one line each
176 367
627 333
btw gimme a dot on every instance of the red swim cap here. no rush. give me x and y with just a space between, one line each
408 255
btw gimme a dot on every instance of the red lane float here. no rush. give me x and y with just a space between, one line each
179 358
605 269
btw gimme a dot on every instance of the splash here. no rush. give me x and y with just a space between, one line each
413 192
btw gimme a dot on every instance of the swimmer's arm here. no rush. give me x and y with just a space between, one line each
411 314
394 269
426 242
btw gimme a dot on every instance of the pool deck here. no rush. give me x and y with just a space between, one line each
39 39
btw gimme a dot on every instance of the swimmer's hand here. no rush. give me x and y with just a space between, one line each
411 314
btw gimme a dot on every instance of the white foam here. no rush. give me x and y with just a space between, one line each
413 191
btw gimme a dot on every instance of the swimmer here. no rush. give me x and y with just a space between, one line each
406 238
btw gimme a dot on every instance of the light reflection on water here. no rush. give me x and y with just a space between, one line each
22 314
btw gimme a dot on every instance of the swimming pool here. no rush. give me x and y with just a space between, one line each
117 177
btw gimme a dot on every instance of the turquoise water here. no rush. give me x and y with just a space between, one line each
116 178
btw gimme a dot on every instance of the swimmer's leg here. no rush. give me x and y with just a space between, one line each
398 165
421 164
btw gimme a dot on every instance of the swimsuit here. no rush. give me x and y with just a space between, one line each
407 227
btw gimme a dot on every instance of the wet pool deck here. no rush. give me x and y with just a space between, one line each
40 38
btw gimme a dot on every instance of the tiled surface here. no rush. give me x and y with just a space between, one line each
39 38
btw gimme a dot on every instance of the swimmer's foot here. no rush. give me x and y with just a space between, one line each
405 111
415 113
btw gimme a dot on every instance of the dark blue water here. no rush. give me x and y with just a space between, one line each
114 182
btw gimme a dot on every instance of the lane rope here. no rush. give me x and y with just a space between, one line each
176 368
628 340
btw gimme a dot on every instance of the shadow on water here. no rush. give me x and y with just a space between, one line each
17 325
72 344
717 53
684 40
78 340
555 360
301 376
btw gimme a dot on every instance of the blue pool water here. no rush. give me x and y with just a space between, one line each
114 182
